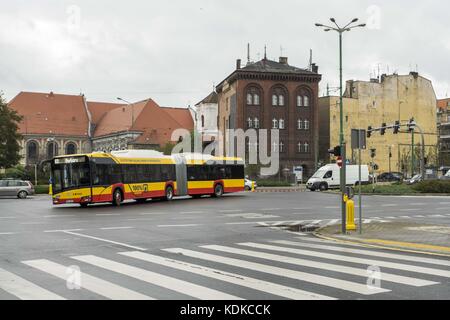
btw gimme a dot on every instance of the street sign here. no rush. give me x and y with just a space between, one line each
298 171
358 139
339 162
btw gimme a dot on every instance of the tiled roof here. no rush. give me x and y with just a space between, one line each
211 98
266 65
99 109
50 113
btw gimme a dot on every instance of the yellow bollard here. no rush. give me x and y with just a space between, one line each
350 215
253 186
50 189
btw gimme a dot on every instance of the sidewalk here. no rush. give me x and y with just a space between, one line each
404 236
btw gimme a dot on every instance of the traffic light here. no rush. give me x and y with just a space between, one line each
336 151
369 131
411 124
396 127
373 152
383 128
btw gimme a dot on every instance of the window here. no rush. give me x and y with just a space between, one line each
281 100
203 121
52 150
256 123
274 123
71 148
306 147
249 99
249 122
306 101
274 100
299 124
32 151
300 147
281 146
306 125
253 95
256 99
299 101
328 175
281 123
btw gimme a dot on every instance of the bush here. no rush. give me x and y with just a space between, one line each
41 189
272 183
433 186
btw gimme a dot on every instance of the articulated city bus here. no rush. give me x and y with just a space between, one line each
140 175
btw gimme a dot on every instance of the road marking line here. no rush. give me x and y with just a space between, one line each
190 212
66 230
405 217
390 217
231 210
59 215
116 228
88 282
333 207
8 217
271 209
417 204
151 213
107 214
419 216
389 205
409 209
254 222
104 240
7 233
334 221
362 272
447 208
158 279
365 261
32 223
256 284
24 289
436 216
302 208
371 252
178 225
281 272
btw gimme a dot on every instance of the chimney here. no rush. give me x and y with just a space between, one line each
283 60
314 68
51 94
238 63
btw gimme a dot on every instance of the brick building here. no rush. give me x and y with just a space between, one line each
274 95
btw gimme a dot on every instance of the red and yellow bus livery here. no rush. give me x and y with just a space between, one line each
140 175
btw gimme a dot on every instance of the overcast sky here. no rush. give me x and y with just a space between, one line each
174 51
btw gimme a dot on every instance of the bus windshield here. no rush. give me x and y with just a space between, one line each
70 174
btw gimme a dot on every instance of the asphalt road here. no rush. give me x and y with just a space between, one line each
210 249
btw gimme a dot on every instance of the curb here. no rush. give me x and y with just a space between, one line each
379 246
280 190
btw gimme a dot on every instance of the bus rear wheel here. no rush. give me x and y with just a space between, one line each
169 193
218 191
117 198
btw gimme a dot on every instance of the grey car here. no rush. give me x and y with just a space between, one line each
16 188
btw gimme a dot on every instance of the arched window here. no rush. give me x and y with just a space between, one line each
300 124
281 100
71 148
249 99
203 121
281 123
274 123
249 122
306 101
32 151
256 123
52 150
300 147
306 126
256 99
306 147
274 100
299 101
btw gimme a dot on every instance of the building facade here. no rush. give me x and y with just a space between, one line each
274 95
385 100
56 124
206 114
443 124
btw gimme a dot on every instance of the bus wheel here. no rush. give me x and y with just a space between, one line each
169 193
218 190
117 197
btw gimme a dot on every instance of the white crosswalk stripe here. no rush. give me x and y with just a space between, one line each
364 261
94 284
174 284
256 284
24 289
318 265
288 273
366 252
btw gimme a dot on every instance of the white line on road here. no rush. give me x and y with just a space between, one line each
24 289
253 222
99 286
409 209
419 216
332 207
7 233
105 240
191 212
116 228
8 217
65 230
436 216
405 217
231 210
241 280
151 213
59 215
107 214
446 208
362 272
158 279
178 225
389 205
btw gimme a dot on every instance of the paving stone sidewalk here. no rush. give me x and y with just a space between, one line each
427 238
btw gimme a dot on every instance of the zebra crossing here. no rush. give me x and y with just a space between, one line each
301 268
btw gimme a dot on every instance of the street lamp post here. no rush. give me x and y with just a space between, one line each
341 30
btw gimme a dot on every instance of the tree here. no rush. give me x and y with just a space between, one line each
9 135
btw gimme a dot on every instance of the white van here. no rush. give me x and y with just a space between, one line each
328 177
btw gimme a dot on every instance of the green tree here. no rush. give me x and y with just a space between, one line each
9 135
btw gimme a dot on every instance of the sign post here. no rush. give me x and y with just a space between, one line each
359 142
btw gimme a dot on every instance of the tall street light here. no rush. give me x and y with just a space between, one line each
351 25
132 109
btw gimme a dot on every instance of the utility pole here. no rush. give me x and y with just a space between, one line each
341 30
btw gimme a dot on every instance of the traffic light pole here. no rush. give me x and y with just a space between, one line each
341 140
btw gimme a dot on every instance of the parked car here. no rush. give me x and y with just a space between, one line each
390 177
248 184
446 176
415 179
19 188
